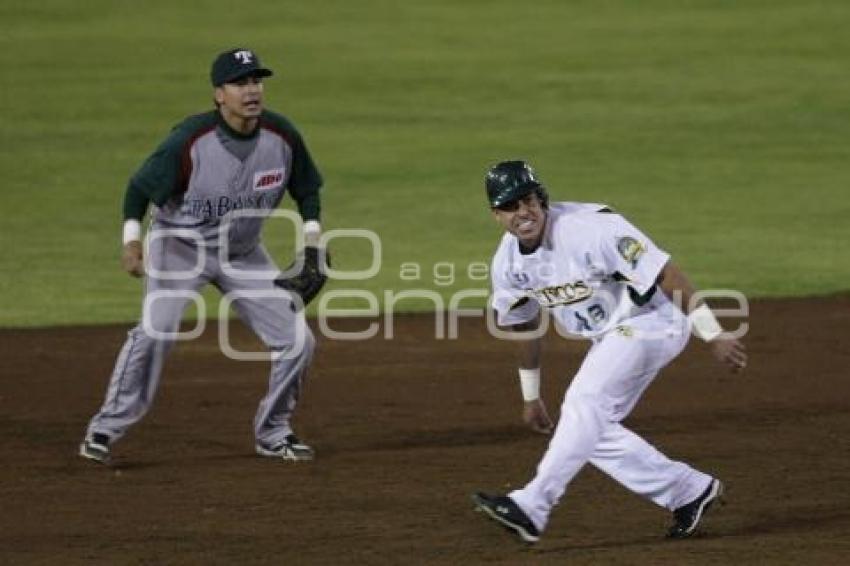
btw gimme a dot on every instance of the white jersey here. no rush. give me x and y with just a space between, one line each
593 270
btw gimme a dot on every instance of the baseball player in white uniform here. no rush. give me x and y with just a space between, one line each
603 279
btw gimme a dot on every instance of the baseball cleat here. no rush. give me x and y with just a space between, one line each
502 509
290 449
688 516
96 448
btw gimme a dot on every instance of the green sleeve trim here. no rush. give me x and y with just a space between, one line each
638 299
309 206
519 303
135 203
305 181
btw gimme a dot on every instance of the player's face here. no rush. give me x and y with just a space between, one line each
241 99
525 218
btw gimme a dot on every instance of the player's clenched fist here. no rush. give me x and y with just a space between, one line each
131 258
534 415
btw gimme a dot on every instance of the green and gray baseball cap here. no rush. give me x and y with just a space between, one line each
235 64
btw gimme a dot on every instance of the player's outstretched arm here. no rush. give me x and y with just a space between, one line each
727 350
534 412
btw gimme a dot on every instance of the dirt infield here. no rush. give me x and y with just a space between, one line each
405 431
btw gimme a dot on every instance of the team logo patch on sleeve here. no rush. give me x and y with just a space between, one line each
268 180
630 249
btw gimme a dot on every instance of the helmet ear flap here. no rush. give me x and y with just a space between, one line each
543 196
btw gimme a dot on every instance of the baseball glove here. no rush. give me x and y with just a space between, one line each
313 276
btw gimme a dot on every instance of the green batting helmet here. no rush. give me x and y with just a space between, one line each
511 180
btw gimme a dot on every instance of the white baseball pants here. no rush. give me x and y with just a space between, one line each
615 373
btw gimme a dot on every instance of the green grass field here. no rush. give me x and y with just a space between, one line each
720 128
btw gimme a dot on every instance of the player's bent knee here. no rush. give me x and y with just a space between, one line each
302 347
309 345
583 396
310 341
589 402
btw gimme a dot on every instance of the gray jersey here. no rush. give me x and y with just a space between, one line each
220 183
205 171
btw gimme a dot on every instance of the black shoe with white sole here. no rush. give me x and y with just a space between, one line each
688 517
502 509
290 449
96 448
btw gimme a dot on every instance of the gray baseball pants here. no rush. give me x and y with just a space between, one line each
266 309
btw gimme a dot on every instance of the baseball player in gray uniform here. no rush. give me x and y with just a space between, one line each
212 183
603 279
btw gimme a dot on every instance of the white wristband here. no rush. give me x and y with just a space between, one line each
704 324
529 382
312 231
132 231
